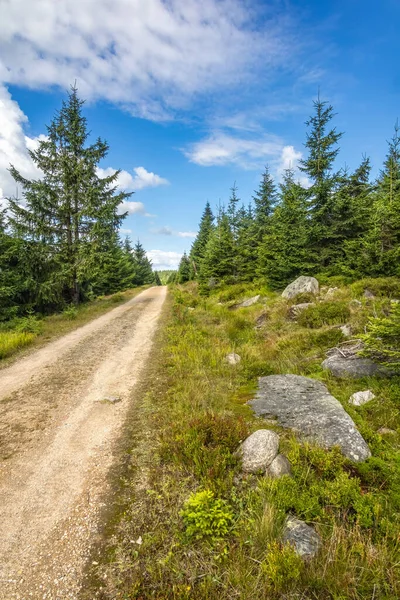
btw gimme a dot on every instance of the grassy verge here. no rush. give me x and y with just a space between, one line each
188 524
34 332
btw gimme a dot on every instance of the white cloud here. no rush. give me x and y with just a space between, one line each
14 145
124 231
141 180
162 259
289 159
132 208
166 230
148 55
222 149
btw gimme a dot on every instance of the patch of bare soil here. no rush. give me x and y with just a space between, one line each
62 410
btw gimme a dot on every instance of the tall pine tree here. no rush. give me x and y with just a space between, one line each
199 245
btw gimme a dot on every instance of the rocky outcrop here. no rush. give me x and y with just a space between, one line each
259 450
279 467
302 285
232 358
304 539
360 398
353 367
306 406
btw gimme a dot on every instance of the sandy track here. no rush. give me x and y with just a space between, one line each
58 438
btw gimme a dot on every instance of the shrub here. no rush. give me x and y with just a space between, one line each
325 313
206 517
28 324
206 446
12 341
71 312
384 286
118 297
282 566
382 339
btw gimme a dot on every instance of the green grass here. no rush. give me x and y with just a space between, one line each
35 332
184 432
11 342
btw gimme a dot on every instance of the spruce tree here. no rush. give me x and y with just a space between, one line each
283 253
157 279
246 246
143 273
322 146
184 269
71 211
219 259
265 199
198 249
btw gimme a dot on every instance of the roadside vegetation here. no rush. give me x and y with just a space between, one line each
187 523
35 330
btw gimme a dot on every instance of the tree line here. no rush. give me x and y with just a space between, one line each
335 222
61 244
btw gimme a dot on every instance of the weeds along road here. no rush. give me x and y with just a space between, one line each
57 438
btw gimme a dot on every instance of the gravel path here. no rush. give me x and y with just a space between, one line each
57 433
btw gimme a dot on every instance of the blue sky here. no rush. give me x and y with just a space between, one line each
192 96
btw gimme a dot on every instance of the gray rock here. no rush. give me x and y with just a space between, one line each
346 330
360 398
248 302
296 309
259 450
306 406
355 304
232 359
302 537
368 294
354 367
331 293
280 466
261 320
190 308
302 285
111 399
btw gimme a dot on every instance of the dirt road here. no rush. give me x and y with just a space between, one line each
58 432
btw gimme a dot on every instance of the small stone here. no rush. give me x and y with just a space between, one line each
261 320
190 308
386 431
302 537
368 294
296 309
280 466
355 304
346 330
248 302
360 398
331 293
232 359
259 450
111 399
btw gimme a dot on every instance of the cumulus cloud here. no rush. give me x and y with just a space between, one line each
162 259
141 180
124 231
168 231
14 145
220 149
132 208
148 55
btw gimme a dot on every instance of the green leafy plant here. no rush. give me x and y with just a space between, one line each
70 312
28 324
325 313
382 339
206 517
282 566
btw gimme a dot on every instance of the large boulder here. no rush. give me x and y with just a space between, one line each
302 285
353 367
306 406
259 450
304 539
